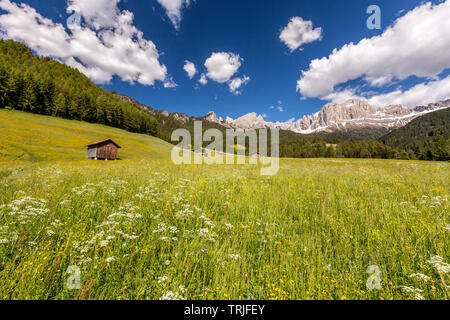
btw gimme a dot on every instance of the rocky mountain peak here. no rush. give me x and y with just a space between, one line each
212 117
350 115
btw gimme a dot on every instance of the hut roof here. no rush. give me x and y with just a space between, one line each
102 142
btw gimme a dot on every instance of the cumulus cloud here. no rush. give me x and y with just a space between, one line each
421 94
237 83
190 69
105 44
417 44
174 10
98 13
299 32
221 66
341 96
203 80
280 108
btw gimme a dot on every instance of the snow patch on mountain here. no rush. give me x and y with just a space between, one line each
351 115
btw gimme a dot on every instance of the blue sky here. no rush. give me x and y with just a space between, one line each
251 29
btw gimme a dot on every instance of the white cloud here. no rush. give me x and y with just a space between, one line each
173 10
271 107
169 83
299 32
190 69
237 83
221 66
264 115
417 44
107 44
98 13
420 94
203 80
280 108
341 96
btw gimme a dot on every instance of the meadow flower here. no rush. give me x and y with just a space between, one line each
234 256
420 276
161 228
410 290
206 234
162 279
438 263
167 262
419 296
110 259
172 296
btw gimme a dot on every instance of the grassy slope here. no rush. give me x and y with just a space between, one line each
29 137
222 232
420 132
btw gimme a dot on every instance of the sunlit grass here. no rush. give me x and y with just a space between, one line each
144 228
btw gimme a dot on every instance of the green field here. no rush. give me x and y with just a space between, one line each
143 228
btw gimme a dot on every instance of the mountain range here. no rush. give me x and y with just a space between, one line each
352 115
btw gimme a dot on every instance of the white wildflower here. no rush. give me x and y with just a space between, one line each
420 276
172 296
419 296
438 262
410 290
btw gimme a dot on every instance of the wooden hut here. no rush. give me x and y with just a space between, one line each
103 150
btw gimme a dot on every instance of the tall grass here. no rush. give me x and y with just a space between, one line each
151 230
144 228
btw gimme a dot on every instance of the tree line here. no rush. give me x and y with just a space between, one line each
44 86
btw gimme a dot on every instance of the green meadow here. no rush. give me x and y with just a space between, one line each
144 228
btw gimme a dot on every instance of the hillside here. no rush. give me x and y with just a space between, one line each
30 137
44 86
167 123
358 134
428 137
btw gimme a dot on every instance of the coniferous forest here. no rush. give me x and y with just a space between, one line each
44 86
